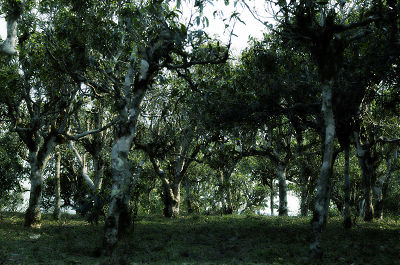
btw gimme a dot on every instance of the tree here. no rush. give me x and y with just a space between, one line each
149 38
13 10
319 28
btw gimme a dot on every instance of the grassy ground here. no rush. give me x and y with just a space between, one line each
199 240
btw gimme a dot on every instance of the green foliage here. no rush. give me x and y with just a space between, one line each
12 172
392 203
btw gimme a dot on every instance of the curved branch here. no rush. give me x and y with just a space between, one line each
82 163
83 134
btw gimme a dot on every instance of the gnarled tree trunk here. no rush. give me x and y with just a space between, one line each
172 199
118 221
323 187
366 163
33 213
37 159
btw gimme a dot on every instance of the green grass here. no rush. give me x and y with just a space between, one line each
199 240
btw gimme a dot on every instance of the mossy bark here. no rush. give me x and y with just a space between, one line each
322 197
38 158
172 200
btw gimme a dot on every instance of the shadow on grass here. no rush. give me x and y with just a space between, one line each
199 240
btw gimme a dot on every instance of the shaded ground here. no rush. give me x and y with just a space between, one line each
199 240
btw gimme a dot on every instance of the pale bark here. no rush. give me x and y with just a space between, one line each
37 159
271 197
8 46
57 189
33 213
283 207
118 220
365 161
82 164
346 211
281 167
378 188
322 197
172 199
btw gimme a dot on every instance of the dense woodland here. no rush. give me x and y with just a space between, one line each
122 109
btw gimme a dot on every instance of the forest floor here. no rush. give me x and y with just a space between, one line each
199 239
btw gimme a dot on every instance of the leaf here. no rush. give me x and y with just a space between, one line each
183 28
207 22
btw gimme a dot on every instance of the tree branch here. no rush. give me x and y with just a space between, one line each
83 134
81 161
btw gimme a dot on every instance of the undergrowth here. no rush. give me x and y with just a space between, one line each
198 239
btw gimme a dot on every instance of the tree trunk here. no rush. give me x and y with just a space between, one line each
225 191
82 163
188 196
283 208
379 187
229 202
118 219
98 169
8 46
227 187
367 189
378 198
33 214
172 197
304 197
57 191
38 158
323 187
271 197
365 162
221 191
346 212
